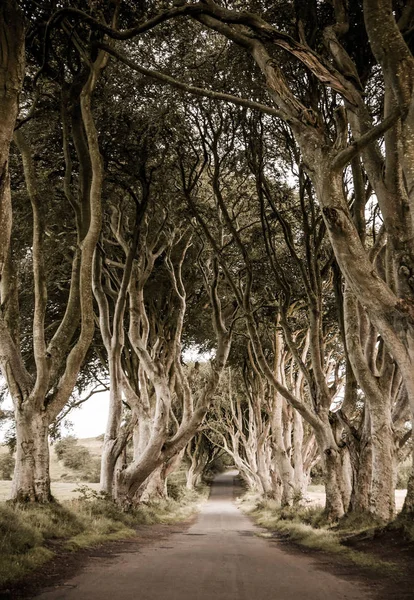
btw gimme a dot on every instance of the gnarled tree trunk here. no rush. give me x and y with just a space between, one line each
31 480
11 81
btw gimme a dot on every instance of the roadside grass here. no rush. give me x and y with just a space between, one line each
61 490
308 527
405 526
29 535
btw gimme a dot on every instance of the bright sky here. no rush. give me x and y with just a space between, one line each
90 419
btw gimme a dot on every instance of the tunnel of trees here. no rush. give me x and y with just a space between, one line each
231 176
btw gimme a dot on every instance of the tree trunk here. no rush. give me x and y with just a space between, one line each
263 472
334 507
192 477
111 449
408 508
11 79
362 475
194 470
347 479
31 482
300 481
155 487
382 497
284 466
276 485
279 441
131 479
377 390
333 478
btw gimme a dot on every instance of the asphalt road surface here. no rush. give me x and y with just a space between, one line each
221 557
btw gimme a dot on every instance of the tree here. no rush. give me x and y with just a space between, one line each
337 114
11 81
41 389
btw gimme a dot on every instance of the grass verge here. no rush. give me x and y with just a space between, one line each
307 527
29 535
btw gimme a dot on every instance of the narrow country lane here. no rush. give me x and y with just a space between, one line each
220 557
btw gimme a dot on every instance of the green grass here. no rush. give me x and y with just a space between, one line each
26 532
405 526
80 518
307 526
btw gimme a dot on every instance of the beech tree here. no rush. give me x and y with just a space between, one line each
166 412
318 92
11 81
40 388
325 150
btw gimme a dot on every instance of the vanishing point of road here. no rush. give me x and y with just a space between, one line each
220 557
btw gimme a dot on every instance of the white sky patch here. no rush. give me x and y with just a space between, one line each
89 420
193 355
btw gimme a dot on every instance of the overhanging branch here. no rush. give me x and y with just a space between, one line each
345 156
191 89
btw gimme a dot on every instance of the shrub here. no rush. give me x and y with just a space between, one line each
317 476
92 471
63 446
6 466
78 458
403 474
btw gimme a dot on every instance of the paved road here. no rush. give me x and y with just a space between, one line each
220 557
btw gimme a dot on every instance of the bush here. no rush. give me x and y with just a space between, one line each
78 458
64 446
317 476
6 466
403 475
92 471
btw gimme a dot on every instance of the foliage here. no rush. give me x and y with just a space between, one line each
317 474
6 466
403 475
78 458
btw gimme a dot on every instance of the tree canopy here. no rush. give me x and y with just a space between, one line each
235 176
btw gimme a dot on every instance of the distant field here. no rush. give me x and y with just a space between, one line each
58 470
316 497
61 490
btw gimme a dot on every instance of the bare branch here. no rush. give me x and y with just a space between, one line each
345 156
191 89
